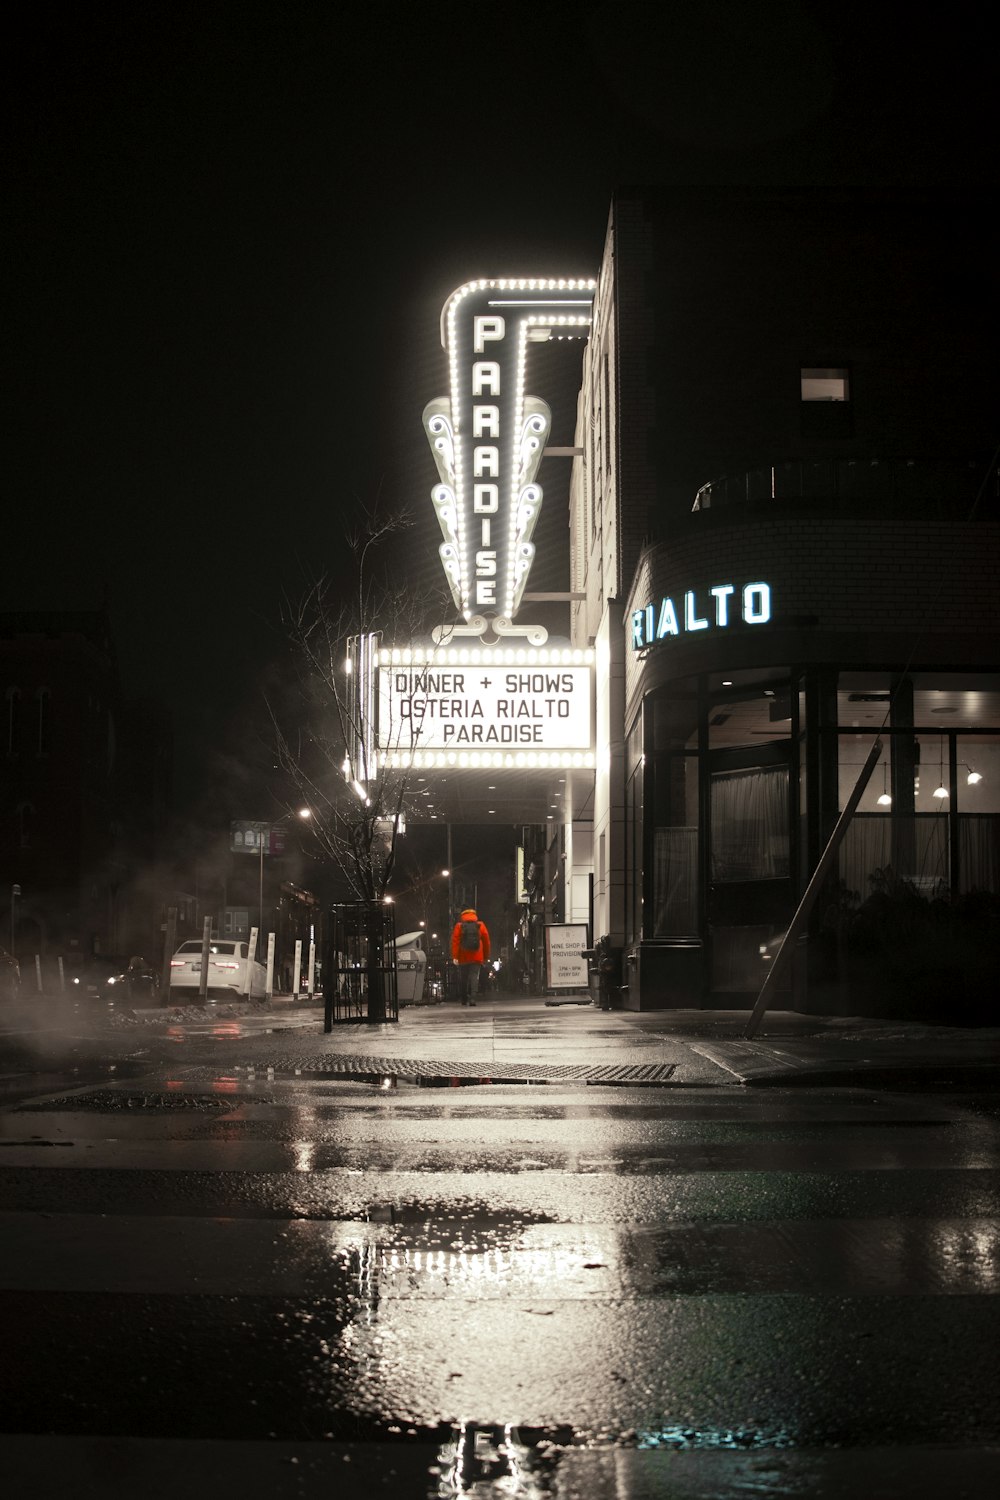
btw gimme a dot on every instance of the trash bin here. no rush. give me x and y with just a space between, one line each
411 968
607 971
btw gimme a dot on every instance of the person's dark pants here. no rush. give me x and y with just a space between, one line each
468 983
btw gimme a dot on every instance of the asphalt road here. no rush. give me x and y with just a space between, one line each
214 1278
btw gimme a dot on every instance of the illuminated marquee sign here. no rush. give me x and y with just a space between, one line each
496 707
717 608
488 436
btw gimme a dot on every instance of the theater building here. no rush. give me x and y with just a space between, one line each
785 543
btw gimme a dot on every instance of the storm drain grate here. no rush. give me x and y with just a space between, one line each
338 1066
109 1102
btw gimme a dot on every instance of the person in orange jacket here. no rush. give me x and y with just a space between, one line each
470 949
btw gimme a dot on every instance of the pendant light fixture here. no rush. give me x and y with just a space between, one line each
885 800
941 791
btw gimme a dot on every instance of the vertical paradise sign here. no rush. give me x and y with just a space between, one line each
488 434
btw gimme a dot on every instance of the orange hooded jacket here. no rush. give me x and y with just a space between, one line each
463 955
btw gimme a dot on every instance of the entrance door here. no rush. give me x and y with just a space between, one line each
750 888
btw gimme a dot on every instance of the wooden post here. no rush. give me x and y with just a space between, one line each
798 922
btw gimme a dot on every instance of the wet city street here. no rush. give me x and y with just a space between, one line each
238 1255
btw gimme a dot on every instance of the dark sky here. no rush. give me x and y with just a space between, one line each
229 230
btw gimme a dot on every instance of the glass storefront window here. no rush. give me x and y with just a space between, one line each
854 753
675 851
931 812
977 800
750 824
977 786
674 884
748 717
634 792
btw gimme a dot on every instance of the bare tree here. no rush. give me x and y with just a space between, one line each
325 733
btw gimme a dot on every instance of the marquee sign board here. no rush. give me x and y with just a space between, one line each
487 436
482 706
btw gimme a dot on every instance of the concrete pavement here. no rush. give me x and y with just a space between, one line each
507 1037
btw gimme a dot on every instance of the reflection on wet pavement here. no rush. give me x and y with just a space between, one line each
509 1283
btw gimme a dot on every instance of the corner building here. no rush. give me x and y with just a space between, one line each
785 541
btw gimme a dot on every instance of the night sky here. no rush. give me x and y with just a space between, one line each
229 230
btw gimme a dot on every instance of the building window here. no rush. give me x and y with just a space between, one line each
823 384
13 718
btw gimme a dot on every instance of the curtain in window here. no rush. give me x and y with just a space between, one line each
979 852
867 847
750 824
675 884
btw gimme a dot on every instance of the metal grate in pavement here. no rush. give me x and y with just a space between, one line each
107 1101
408 1067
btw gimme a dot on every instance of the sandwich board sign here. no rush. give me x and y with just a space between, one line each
565 966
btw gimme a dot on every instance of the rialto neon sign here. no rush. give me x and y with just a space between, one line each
716 608
488 436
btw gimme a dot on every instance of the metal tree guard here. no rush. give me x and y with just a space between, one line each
359 965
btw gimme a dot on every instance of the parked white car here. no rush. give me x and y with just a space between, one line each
227 970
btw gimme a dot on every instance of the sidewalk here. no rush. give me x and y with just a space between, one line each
693 1048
